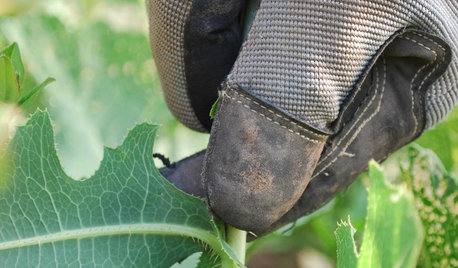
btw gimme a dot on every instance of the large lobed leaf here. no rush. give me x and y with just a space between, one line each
393 233
125 215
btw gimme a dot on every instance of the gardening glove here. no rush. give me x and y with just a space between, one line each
317 89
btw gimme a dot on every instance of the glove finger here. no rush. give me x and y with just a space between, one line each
194 44
386 113
186 174
296 70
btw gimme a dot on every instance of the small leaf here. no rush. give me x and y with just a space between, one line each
35 90
14 54
9 90
208 259
214 109
347 255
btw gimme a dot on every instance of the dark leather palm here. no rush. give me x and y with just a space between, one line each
385 112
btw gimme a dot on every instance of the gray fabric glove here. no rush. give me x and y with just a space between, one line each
317 89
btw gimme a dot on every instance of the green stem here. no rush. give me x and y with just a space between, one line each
234 237
237 241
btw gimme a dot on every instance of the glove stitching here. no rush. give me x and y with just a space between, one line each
417 73
354 125
270 119
424 66
438 63
278 115
363 124
431 40
411 86
435 58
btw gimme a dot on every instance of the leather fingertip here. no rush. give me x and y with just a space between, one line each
258 162
186 174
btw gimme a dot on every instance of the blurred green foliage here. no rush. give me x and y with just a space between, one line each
443 140
99 53
106 81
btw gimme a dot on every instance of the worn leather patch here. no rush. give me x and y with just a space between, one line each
258 162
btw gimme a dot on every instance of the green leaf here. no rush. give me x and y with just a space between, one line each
125 215
14 54
105 77
9 90
214 109
436 198
12 76
443 140
208 259
347 255
393 233
35 90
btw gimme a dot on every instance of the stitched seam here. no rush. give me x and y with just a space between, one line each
439 63
354 125
430 73
276 114
416 74
424 66
357 90
270 119
430 49
352 98
422 96
411 85
429 39
350 141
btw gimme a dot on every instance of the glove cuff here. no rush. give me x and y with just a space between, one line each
258 162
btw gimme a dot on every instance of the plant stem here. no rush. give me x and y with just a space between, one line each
237 240
234 237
